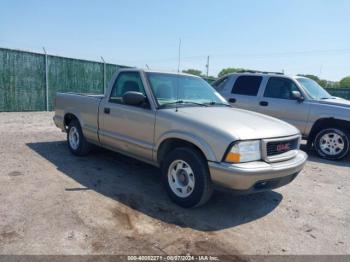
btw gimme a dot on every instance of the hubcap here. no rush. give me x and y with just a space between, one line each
74 138
181 178
331 143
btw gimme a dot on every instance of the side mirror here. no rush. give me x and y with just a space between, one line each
297 96
133 98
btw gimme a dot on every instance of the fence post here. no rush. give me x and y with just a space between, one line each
46 81
104 75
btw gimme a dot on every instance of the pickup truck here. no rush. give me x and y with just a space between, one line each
180 124
323 120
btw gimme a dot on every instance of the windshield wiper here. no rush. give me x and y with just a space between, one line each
218 103
331 97
182 102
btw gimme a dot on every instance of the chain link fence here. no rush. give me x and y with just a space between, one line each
29 81
340 92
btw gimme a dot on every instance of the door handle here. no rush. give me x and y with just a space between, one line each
232 100
264 103
106 110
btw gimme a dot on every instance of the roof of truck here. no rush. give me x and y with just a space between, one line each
276 74
156 71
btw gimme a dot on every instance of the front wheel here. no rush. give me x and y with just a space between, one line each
332 143
186 177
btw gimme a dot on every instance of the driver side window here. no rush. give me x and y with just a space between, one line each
125 82
279 87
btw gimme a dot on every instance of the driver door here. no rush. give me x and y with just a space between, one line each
278 101
127 128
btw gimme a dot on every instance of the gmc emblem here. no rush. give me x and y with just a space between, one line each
283 147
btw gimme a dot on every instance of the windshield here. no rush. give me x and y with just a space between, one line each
313 89
172 90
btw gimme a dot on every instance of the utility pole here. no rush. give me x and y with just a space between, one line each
46 80
104 75
178 65
207 66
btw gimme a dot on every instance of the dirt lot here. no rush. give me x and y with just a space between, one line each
55 203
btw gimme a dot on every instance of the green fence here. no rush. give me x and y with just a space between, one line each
340 92
23 78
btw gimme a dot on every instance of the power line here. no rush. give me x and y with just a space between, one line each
251 55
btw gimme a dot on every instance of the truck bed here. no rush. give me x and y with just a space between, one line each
84 106
82 94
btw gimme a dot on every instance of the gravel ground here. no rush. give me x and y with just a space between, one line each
55 203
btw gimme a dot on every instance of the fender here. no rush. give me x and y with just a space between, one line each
188 137
76 113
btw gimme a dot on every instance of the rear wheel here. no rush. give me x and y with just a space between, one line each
332 143
186 177
77 143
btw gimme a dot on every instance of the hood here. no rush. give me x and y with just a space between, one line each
335 101
237 123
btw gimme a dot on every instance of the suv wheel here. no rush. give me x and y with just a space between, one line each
186 177
332 143
77 143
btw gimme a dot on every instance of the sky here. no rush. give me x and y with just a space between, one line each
296 36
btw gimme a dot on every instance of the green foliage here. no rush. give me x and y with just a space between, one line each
209 79
193 72
313 77
345 82
229 70
333 84
322 82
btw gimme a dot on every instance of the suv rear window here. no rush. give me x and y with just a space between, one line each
247 85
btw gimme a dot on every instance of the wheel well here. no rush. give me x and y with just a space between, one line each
171 143
68 118
327 123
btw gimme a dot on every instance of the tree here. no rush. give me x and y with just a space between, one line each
193 72
345 82
321 82
333 84
229 70
313 77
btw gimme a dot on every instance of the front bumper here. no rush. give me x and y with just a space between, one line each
257 176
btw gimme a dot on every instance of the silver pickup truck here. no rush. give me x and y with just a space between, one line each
181 124
322 119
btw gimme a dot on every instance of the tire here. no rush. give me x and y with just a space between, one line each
332 143
77 143
186 177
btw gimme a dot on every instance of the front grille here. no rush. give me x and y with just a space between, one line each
280 147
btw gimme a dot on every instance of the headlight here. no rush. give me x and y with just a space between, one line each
244 151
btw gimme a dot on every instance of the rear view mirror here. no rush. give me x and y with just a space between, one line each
133 98
297 96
